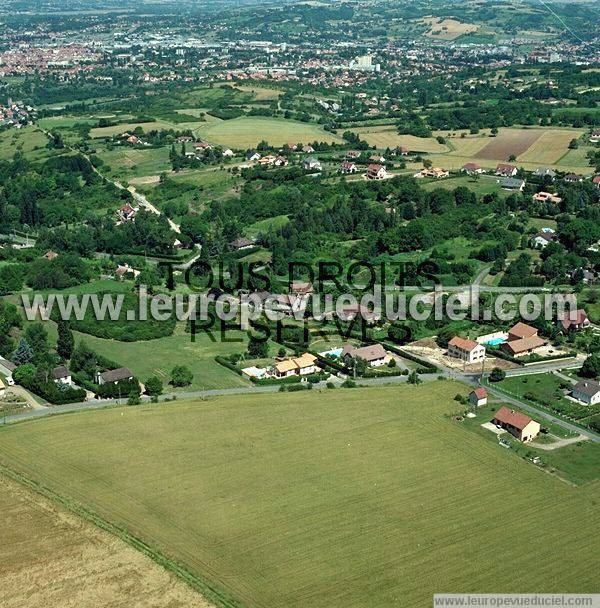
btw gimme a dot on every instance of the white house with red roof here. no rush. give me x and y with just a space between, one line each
478 397
506 170
376 172
472 169
468 351
348 167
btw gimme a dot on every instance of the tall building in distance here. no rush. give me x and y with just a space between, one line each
364 63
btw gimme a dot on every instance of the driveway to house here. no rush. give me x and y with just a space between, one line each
559 443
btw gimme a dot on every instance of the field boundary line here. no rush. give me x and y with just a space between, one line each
205 587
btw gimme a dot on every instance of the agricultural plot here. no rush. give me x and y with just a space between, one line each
532 147
247 132
46 553
352 501
126 161
482 186
146 126
26 140
448 29
550 146
509 142
386 136
261 93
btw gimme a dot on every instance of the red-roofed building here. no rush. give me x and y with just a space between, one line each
573 320
127 212
596 181
376 172
468 351
517 424
478 397
471 168
506 170
347 167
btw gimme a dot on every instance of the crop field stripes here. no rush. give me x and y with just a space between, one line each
205 587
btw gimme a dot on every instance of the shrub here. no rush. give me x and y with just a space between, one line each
497 375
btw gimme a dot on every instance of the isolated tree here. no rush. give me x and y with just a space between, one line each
154 386
134 398
181 376
497 375
413 378
591 367
23 353
65 342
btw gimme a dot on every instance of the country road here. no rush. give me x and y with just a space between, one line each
248 390
139 198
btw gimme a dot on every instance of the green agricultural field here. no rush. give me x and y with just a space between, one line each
349 498
247 132
29 140
482 186
126 161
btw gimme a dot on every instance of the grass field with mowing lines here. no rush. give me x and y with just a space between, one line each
550 147
247 132
350 498
159 357
126 161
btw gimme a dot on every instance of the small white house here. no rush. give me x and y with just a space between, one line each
62 376
311 164
478 397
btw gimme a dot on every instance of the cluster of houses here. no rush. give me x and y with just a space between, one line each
303 365
13 114
309 163
506 174
519 425
434 172
519 341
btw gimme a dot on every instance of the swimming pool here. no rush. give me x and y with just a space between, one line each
496 341
334 352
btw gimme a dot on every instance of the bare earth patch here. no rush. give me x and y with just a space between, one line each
448 29
52 559
509 142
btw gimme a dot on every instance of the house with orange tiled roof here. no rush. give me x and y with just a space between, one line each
521 426
468 351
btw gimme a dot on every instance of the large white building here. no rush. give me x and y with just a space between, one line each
468 351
